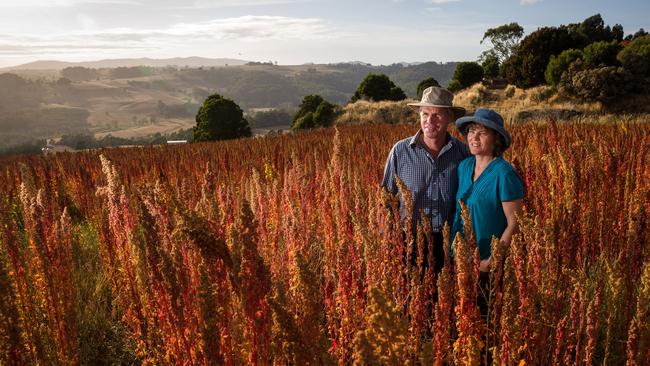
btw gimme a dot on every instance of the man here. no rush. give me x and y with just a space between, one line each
427 164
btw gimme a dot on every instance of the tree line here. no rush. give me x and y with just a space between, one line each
588 60
220 118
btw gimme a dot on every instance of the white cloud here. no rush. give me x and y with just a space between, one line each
253 28
444 1
86 21
211 4
529 2
63 3
167 4
246 29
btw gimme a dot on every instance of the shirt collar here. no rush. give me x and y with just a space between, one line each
415 141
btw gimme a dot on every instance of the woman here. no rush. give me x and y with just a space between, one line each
488 185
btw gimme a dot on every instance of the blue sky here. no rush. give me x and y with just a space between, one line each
286 31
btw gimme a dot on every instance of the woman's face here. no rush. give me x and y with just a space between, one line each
481 140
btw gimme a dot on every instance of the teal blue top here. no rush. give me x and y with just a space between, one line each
497 183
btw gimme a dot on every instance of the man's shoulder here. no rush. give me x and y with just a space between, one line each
459 146
402 145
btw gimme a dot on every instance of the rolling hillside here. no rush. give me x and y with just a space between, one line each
135 101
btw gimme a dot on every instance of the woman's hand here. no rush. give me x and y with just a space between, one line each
484 266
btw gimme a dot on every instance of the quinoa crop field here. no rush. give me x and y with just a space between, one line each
283 251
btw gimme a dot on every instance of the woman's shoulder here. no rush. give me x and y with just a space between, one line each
506 171
466 164
503 166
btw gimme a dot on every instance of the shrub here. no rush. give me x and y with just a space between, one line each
558 65
604 84
636 57
541 94
602 53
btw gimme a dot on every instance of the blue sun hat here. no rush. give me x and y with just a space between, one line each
488 118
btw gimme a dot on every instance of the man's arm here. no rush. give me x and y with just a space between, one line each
390 169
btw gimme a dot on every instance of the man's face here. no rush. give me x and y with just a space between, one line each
434 121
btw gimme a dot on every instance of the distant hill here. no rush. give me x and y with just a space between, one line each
132 101
130 62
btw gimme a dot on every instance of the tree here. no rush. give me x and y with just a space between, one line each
617 32
309 104
490 65
526 67
220 119
640 33
504 38
594 30
79 73
304 122
63 82
324 114
378 87
466 74
314 111
425 84
269 118
602 53
557 65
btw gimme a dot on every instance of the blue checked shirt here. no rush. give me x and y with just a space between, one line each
433 182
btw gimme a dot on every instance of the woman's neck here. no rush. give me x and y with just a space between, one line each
483 160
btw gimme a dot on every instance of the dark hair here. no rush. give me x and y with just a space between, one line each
499 145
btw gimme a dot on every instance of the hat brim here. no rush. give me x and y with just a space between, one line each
458 111
462 123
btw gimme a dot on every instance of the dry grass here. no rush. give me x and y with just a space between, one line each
376 112
514 104
512 100
163 127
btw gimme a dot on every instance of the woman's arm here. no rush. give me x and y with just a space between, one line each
512 209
